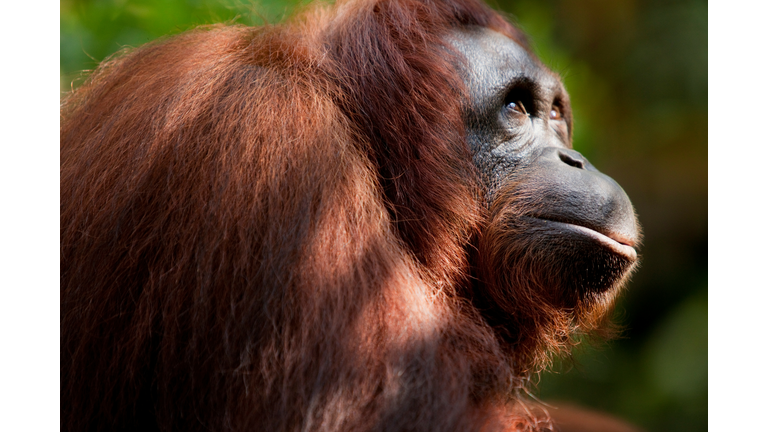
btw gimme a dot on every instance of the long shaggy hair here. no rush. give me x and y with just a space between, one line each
271 229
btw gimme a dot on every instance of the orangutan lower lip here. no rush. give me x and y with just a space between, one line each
615 242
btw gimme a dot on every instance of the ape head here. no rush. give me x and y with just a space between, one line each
368 218
560 237
548 239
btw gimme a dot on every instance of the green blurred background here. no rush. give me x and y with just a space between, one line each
637 74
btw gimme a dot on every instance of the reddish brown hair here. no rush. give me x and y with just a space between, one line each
268 229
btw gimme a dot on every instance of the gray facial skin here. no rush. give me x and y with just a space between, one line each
519 131
501 139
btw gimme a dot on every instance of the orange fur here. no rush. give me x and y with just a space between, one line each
271 229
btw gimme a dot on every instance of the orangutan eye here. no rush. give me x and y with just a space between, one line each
555 113
517 106
519 98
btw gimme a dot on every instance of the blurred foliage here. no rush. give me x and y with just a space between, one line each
637 74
